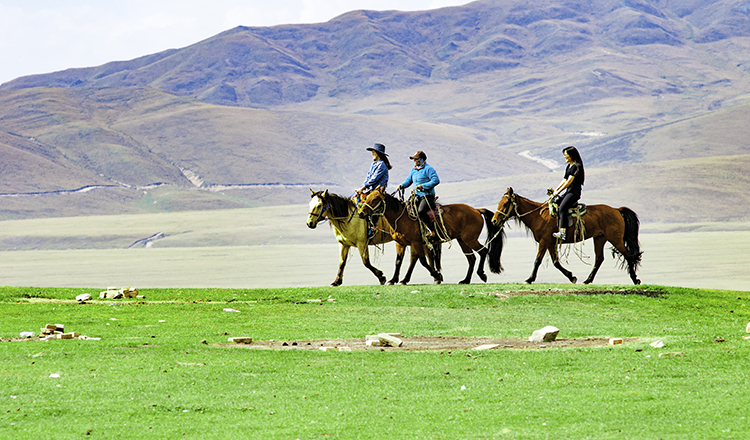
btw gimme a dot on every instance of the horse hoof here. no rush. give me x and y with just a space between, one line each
336 284
574 280
390 283
464 282
438 282
637 282
588 281
404 283
483 277
529 281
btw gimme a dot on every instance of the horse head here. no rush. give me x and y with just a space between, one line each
506 208
318 204
373 203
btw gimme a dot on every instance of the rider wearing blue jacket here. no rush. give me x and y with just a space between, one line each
378 173
426 179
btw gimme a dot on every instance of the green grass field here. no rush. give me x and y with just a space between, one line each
161 370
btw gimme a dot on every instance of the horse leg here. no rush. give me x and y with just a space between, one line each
400 250
418 248
469 254
632 264
599 243
541 250
342 264
412 264
556 261
364 252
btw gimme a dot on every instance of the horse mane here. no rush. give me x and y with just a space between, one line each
340 205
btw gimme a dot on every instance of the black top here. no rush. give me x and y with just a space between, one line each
575 187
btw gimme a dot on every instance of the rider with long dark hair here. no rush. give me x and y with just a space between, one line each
569 189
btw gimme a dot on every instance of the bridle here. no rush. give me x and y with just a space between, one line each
513 210
325 205
373 211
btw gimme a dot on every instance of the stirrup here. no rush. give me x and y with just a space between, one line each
560 235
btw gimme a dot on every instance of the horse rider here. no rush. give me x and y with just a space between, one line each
376 176
426 179
569 189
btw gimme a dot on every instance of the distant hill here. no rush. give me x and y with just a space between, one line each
254 115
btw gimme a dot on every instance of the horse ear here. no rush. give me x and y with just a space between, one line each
509 192
313 192
325 194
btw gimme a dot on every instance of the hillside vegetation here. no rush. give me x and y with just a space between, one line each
255 116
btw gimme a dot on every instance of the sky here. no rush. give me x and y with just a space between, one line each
42 36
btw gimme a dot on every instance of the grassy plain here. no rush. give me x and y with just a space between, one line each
152 376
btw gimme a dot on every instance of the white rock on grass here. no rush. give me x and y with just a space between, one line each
83 297
657 344
747 329
546 334
27 334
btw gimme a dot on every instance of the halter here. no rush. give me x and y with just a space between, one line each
322 210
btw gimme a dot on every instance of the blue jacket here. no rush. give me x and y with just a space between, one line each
427 177
378 175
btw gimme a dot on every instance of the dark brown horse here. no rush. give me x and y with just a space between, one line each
601 222
461 222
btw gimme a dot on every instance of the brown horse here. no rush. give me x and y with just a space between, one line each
461 222
601 222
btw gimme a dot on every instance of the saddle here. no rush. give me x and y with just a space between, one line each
411 209
575 212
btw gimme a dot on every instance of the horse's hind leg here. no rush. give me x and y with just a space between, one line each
400 251
632 263
470 258
541 250
556 261
599 243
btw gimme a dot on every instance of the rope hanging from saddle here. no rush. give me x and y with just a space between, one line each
440 230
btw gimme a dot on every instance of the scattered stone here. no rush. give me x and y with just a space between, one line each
66 336
675 354
747 329
231 310
487 347
129 292
327 348
241 340
546 334
345 349
615 341
657 344
83 297
388 340
27 334
372 343
54 375
719 339
203 341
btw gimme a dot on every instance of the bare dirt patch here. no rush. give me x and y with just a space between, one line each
425 343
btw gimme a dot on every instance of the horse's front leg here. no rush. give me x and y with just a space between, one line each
418 248
556 261
400 250
412 263
342 264
540 251
364 252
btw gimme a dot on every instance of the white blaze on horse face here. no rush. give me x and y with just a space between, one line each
316 205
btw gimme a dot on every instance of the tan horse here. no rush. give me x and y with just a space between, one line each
601 222
461 222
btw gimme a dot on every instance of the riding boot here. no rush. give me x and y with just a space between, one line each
560 234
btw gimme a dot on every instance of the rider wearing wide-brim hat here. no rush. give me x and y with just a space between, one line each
426 179
378 173
377 176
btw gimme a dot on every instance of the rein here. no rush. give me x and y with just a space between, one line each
514 208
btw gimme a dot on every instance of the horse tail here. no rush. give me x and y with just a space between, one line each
494 243
632 245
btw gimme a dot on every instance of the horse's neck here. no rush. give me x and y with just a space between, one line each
393 208
529 211
344 224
